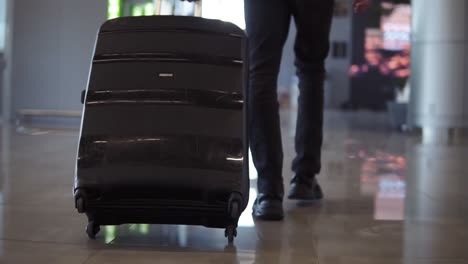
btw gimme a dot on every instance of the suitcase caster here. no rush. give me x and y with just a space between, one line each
92 229
80 205
80 201
235 210
230 233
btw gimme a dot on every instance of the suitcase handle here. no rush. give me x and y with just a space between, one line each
198 7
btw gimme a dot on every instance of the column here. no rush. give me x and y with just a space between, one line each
439 96
7 61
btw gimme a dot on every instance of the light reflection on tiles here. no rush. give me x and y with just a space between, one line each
383 176
389 199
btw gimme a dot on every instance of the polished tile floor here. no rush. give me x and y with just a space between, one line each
389 199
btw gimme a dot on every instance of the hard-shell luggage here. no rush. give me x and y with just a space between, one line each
163 135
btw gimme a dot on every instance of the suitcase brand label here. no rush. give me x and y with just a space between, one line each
166 75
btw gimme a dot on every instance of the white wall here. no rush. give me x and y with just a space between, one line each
53 42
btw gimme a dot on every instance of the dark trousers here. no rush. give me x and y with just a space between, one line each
267 27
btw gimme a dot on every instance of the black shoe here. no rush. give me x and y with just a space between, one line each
305 189
268 207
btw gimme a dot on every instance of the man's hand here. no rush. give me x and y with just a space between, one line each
361 5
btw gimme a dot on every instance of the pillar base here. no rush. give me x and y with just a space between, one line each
450 136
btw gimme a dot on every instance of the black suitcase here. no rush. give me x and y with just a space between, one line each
163 135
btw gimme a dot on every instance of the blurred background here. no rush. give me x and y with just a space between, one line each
52 41
393 157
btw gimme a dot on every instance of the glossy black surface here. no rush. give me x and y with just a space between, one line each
167 57
212 99
171 24
131 120
149 75
198 152
172 35
163 132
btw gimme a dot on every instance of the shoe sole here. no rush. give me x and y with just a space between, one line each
268 217
304 198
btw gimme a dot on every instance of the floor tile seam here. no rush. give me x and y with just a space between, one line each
49 243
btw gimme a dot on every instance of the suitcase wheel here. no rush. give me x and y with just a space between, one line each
92 229
80 205
230 233
235 210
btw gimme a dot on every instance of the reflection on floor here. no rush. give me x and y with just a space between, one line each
389 199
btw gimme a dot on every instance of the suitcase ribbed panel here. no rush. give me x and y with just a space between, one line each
169 42
153 75
128 120
174 97
184 151
172 23
161 179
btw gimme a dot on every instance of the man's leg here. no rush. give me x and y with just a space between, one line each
267 28
313 21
